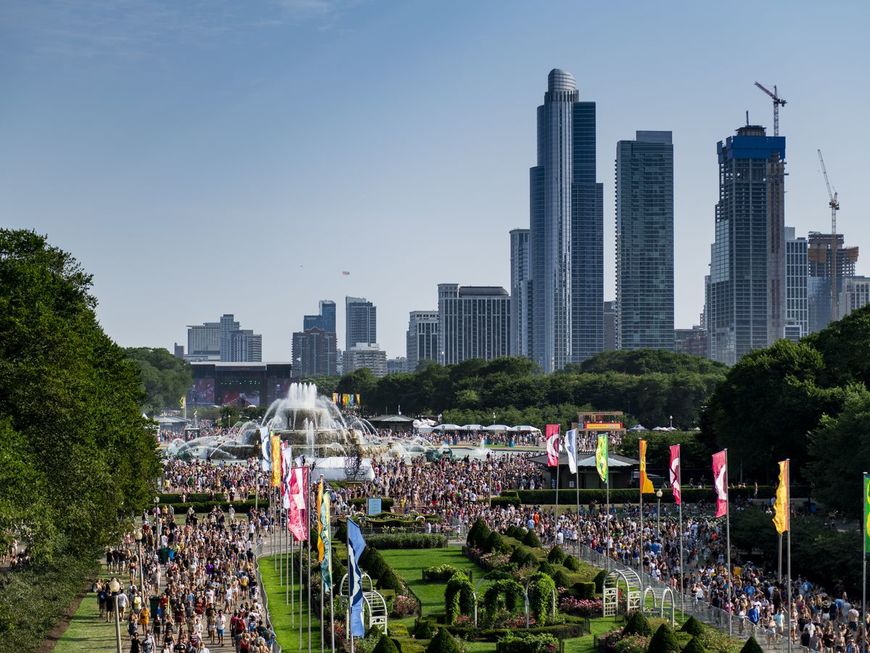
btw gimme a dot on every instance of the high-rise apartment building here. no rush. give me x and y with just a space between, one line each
521 296
855 295
566 230
314 353
421 339
609 325
325 320
366 355
796 273
645 242
473 322
820 258
746 292
361 319
223 341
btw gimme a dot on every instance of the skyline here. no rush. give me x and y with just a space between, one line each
152 141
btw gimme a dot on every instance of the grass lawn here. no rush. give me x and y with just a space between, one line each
408 563
286 625
88 632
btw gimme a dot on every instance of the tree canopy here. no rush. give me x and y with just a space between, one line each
165 378
75 454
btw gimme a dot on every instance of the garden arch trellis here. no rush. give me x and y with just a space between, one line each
659 596
626 580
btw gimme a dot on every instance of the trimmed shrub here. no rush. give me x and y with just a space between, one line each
458 597
495 543
571 563
406 541
751 646
583 590
424 628
542 593
599 581
694 646
523 556
556 556
515 532
478 533
561 578
439 573
390 581
693 627
637 624
531 539
507 594
385 645
504 502
546 568
526 643
443 642
664 641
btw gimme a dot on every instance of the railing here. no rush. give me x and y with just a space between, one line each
264 597
740 627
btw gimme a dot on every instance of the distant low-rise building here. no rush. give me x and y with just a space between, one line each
366 355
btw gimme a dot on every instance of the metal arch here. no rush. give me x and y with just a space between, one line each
376 607
611 591
344 587
659 596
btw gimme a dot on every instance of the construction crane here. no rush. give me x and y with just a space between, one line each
834 203
777 103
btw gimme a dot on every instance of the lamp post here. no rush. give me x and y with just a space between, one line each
138 537
659 512
114 588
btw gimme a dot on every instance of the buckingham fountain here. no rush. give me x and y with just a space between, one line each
312 425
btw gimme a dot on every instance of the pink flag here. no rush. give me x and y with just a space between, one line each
552 433
674 472
286 473
297 521
720 481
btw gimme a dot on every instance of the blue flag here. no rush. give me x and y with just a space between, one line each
355 546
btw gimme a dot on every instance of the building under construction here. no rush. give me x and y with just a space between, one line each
819 256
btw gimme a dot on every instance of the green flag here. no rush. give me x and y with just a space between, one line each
866 514
601 457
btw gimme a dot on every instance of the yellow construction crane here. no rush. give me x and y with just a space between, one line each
834 203
777 103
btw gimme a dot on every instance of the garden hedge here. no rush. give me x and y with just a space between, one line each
406 541
525 643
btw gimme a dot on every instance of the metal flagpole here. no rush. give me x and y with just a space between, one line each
288 548
607 499
331 585
301 549
640 486
682 572
558 461
728 542
863 628
308 526
779 560
788 549
282 545
349 633
290 593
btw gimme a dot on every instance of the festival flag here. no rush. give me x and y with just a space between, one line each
265 449
552 434
350 400
358 402
720 481
355 546
781 504
571 449
297 519
183 402
646 485
601 457
286 473
674 473
317 505
326 542
866 514
276 460
335 398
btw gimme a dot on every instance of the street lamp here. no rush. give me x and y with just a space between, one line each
114 588
659 511
138 537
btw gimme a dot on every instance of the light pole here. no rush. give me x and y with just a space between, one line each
114 588
671 420
138 536
659 512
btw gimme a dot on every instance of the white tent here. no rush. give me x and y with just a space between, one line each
472 427
498 428
448 427
526 429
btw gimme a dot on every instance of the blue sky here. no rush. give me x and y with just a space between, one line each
203 157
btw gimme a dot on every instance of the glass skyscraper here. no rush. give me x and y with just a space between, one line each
645 242
521 314
567 230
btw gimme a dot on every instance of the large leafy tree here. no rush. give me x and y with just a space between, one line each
165 378
76 454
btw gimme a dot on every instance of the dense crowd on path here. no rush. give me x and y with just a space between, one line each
235 482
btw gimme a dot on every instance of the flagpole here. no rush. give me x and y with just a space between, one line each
288 543
682 571
319 520
331 597
301 583
558 465
788 548
728 541
290 592
863 628
308 526
607 496
282 546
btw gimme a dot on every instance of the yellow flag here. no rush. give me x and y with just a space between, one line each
601 457
183 401
780 506
276 460
320 547
646 486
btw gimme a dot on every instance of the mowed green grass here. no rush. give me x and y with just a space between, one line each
88 633
409 564
286 626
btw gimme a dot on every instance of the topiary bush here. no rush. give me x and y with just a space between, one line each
531 539
546 568
571 563
443 642
599 581
542 594
439 573
751 646
526 643
694 646
506 594
523 556
693 627
637 624
477 534
495 543
561 578
556 555
424 628
385 645
458 597
389 580
664 641
583 590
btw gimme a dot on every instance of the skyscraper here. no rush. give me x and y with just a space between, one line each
645 242
325 320
314 353
819 281
223 341
361 318
421 338
796 272
521 313
567 230
473 322
746 291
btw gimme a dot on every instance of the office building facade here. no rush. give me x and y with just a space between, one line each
223 340
645 242
521 297
796 275
820 255
324 320
314 353
361 322
366 355
473 322
421 339
566 230
855 295
746 292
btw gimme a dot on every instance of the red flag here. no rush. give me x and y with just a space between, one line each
720 481
552 433
674 472
297 522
